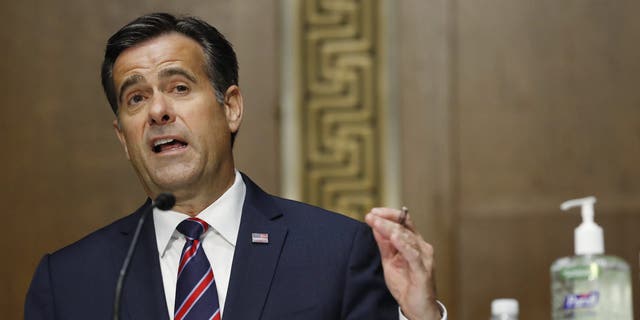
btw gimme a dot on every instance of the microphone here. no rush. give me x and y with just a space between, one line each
164 201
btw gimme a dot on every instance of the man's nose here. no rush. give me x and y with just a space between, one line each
161 111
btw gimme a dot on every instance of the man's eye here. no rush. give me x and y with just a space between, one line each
136 99
181 88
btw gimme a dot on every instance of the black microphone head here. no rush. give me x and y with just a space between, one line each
164 201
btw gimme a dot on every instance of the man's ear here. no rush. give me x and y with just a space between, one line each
120 135
233 107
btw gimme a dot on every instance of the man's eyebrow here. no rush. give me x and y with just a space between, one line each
166 73
130 81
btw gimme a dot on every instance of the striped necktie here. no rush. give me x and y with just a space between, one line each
196 294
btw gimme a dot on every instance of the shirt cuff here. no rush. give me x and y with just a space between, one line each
443 312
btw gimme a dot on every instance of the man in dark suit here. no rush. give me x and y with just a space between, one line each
173 85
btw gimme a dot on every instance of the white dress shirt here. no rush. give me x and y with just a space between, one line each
218 242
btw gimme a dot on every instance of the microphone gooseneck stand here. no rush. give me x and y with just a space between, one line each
164 201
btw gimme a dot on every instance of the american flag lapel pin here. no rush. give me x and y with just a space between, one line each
260 238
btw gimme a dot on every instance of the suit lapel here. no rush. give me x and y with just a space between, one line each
143 291
254 264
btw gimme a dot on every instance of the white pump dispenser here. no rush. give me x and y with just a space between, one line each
588 236
590 285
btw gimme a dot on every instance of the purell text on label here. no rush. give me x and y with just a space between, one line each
581 301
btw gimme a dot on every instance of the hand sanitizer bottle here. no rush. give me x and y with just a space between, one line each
590 285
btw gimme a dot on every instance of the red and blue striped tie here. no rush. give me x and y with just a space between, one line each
196 294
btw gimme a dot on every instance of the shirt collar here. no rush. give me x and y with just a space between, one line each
223 215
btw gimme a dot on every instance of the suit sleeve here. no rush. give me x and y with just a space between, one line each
366 295
39 301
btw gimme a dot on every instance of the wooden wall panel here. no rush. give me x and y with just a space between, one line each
423 56
552 96
547 110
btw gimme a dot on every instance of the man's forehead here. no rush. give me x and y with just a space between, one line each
158 53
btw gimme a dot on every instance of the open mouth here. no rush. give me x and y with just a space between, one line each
168 144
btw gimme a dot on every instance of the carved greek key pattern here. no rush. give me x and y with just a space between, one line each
340 106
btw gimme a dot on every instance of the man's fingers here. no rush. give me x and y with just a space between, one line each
394 215
384 244
397 238
383 225
387 213
387 251
394 238
407 244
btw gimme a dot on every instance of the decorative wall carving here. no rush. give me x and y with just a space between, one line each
341 124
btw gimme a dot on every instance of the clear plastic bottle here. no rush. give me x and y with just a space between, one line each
590 285
504 309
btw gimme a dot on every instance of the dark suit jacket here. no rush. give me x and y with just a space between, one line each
317 265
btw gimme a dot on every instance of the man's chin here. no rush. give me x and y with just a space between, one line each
173 181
